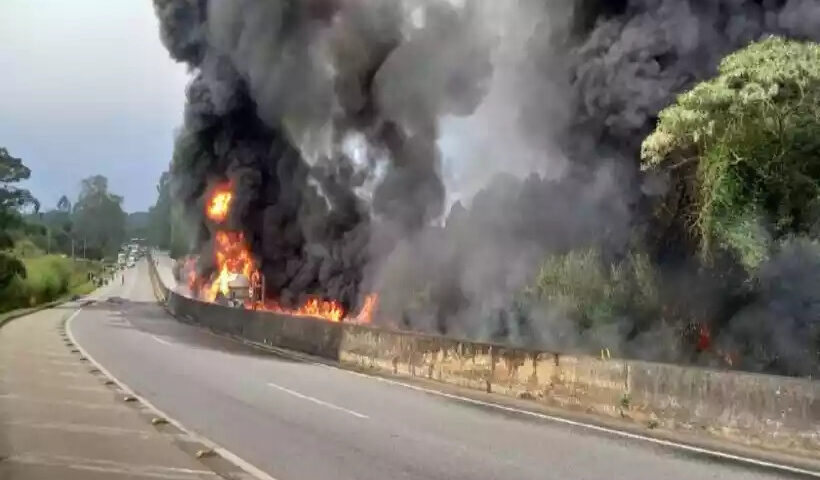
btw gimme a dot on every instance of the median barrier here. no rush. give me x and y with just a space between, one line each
304 334
766 410
761 410
565 380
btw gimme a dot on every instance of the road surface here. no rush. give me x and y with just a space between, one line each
299 420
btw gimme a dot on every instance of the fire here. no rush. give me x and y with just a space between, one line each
190 269
220 203
330 310
366 313
233 259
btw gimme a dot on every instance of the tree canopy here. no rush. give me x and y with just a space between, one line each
745 149
12 170
167 226
63 204
159 224
99 221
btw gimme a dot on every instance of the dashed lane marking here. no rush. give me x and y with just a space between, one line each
317 401
161 340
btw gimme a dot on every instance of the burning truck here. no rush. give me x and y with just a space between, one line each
236 280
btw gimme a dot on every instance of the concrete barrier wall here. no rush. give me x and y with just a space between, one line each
763 410
304 334
767 408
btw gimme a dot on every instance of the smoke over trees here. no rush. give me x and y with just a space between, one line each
437 151
319 114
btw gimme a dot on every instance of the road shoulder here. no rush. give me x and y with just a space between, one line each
62 417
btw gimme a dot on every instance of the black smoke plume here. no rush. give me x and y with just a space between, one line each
348 127
323 116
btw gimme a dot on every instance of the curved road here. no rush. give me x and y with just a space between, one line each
297 420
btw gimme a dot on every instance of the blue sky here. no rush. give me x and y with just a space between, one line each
86 87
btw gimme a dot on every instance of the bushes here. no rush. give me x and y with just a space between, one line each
47 278
744 147
591 293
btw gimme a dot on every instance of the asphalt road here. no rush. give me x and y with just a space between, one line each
298 421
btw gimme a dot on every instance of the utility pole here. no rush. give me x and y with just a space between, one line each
84 244
72 248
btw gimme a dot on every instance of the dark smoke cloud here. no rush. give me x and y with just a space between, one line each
641 53
279 89
582 82
779 331
348 126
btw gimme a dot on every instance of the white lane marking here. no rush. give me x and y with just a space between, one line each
223 452
634 436
161 340
106 466
589 426
317 401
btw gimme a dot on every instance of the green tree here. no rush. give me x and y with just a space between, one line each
743 152
159 223
12 200
63 204
99 221
592 293
57 226
168 227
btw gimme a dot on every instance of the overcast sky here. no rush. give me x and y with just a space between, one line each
86 87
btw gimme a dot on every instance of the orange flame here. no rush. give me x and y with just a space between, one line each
365 315
190 269
220 203
233 258
330 310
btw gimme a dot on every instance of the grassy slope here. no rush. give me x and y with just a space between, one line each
49 277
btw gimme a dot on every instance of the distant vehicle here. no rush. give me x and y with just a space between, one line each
121 259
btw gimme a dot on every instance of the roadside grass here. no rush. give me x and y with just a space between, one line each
49 278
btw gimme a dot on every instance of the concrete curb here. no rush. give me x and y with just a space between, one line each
243 465
15 314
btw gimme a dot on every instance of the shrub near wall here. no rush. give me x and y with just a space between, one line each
48 278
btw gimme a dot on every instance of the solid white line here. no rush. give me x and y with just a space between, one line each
634 436
160 340
589 426
223 452
317 401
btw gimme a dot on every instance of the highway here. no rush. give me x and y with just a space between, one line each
300 420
